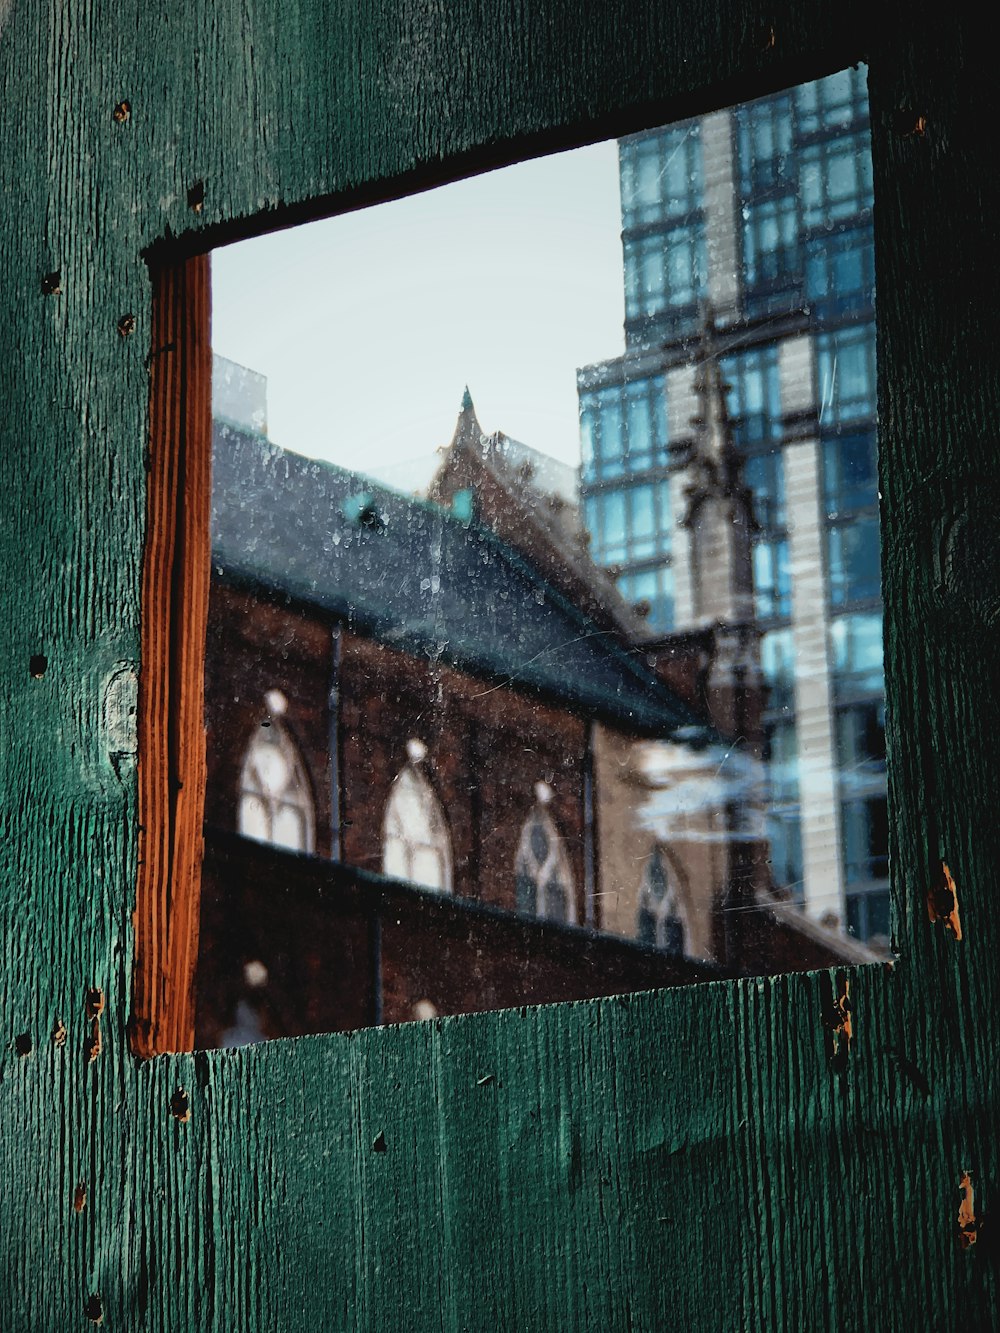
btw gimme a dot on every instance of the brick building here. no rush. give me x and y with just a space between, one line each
391 688
440 748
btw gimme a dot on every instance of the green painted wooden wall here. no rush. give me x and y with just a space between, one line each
685 1159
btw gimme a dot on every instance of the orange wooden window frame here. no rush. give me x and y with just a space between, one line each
175 586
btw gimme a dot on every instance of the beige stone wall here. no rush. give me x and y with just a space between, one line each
696 853
623 846
819 793
725 268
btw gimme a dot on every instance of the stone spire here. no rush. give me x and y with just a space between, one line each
720 524
719 505
467 429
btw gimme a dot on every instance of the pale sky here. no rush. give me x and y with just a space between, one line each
370 325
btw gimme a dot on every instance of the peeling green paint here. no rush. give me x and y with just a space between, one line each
681 1159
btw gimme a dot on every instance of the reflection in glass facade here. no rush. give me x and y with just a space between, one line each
759 219
628 510
663 221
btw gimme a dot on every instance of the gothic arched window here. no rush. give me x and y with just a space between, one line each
660 922
415 842
541 870
275 800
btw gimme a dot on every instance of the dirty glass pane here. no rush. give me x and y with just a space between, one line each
545 644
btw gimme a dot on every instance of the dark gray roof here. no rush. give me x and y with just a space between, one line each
414 576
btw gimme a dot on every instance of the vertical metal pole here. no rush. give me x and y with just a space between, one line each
333 700
375 959
589 833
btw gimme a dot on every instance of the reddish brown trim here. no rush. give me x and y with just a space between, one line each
175 579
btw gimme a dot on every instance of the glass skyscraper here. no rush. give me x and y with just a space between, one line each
762 216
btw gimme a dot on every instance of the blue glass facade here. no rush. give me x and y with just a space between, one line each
845 391
627 507
663 227
798 219
805 189
754 403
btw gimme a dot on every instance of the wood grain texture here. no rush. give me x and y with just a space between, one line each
684 1158
171 723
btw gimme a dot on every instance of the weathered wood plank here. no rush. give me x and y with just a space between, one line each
171 728
686 1157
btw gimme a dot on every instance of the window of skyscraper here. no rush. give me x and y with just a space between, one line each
857 653
845 362
663 236
554 525
850 480
661 176
853 561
